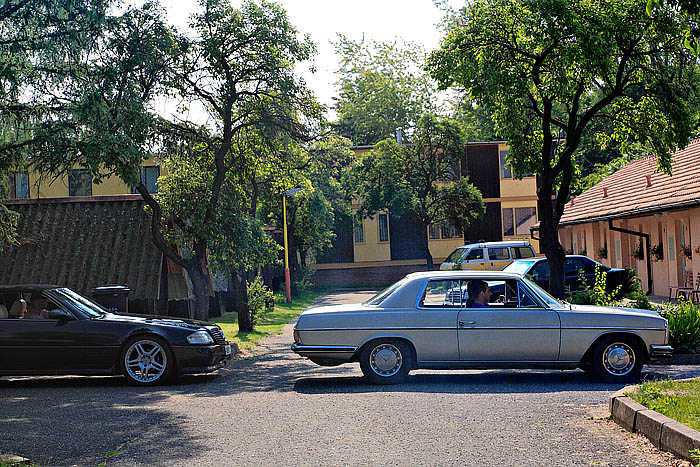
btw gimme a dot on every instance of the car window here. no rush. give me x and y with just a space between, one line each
519 267
498 254
381 296
443 293
521 252
540 271
455 256
572 266
475 253
81 303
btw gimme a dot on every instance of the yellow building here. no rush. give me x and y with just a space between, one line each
384 248
78 182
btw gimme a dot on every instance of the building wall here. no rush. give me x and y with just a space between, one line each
671 229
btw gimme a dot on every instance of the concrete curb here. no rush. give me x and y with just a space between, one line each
12 459
663 432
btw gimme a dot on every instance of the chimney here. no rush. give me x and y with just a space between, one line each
605 192
648 181
572 200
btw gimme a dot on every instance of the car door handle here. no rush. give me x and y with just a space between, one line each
467 323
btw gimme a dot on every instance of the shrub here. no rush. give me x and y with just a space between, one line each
683 326
260 300
595 294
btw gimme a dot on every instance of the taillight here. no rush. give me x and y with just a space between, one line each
297 339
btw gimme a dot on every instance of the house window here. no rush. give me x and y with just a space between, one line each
449 231
19 185
508 228
359 230
149 177
671 248
506 171
383 228
524 219
434 232
79 183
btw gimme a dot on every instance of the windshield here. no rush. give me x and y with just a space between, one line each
549 301
519 267
86 306
455 256
381 296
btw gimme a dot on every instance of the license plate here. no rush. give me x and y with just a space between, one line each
227 349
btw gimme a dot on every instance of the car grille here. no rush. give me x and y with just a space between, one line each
217 334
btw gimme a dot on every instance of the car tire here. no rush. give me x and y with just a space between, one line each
386 361
617 359
147 361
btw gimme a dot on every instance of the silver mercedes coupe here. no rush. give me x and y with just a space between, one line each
429 320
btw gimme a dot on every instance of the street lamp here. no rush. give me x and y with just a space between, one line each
287 281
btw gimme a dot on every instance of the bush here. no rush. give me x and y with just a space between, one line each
260 300
683 326
595 294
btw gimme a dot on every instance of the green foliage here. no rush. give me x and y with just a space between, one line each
657 252
8 226
603 252
683 326
260 300
382 88
638 252
596 293
549 69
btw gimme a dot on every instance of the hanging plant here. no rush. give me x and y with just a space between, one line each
638 252
657 252
603 252
697 250
686 251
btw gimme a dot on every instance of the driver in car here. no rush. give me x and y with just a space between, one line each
479 294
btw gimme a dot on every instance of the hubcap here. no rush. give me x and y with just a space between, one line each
145 361
618 359
385 360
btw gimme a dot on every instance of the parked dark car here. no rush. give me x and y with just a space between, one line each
48 330
538 270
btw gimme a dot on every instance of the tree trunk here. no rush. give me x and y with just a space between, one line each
200 287
240 300
425 248
549 238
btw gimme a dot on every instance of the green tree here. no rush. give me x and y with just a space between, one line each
239 66
548 68
420 181
382 89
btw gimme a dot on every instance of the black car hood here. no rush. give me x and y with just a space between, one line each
154 320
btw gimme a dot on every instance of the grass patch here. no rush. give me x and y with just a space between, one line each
679 400
271 323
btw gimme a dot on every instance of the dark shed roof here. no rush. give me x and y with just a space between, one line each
82 243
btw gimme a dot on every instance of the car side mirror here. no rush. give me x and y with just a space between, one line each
61 315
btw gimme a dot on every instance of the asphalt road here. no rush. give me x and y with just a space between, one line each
274 408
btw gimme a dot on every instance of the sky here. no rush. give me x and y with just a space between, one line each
377 20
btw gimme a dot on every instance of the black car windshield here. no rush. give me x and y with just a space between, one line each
84 305
381 296
519 267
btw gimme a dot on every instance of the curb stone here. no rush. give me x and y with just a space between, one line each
11 458
663 432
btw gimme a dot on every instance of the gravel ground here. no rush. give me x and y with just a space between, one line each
273 408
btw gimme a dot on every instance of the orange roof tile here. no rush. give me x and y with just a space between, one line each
637 188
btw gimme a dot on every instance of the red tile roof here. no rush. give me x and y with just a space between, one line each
637 188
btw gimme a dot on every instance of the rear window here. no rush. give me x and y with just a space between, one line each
519 267
381 296
522 252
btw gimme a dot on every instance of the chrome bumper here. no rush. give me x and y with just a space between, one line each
305 349
660 352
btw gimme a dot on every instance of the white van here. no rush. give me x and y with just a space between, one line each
488 255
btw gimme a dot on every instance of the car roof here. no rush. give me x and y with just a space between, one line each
27 287
464 274
497 244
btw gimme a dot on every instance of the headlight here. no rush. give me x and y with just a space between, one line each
200 337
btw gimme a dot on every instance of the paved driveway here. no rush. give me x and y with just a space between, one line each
274 408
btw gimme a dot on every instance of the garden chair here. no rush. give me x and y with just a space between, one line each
685 287
695 293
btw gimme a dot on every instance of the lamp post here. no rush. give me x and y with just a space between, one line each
287 281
